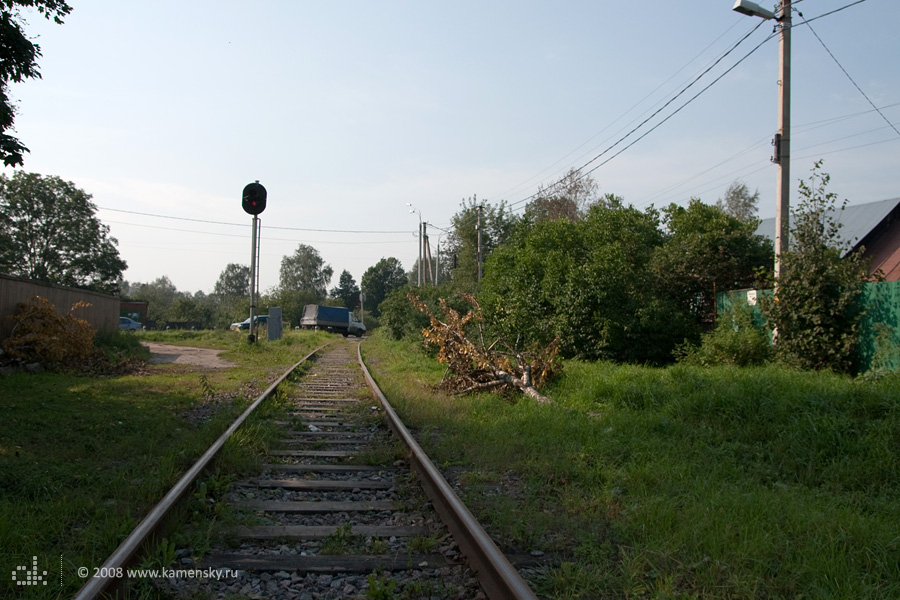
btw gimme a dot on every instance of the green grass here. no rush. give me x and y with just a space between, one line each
82 459
681 482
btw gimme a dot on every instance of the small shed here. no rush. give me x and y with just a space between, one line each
134 310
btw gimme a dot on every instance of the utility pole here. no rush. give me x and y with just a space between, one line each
426 252
782 155
413 209
421 243
783 138
478 227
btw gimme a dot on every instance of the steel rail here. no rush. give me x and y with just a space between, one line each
497 576
132 544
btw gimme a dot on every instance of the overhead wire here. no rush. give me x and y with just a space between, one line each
734 156
666 105
857 147
837 10
680 108
134 212
684 90
234 235
620 117
798 130
584 174
856 85
824 122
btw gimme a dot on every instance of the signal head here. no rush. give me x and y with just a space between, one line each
254 198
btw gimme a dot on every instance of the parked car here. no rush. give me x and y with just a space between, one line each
245 324
129 324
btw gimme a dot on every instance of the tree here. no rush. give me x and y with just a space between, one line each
815 310
49 232
707 251
739 202
347 291
18 61
586 283
497 224
234 281
292 303
159 295
380 280
567 198
305 271
187 307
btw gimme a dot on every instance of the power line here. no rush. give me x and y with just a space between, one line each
859 89
806 22
819 154
683 90
524 200
134 212
664 106
831 120
743 171
619 118
678 184
697 95
234 235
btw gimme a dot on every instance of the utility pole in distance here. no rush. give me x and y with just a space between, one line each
480 255
413 209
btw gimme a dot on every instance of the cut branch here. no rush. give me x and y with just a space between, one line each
476 366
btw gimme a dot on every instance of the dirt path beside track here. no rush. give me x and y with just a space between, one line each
164 354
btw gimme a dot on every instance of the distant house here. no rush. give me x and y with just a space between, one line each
875 226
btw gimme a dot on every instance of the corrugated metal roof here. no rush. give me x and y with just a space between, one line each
857 220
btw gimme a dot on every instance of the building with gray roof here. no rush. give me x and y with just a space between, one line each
874 226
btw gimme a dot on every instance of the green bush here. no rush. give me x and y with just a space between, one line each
402 320
736 341
816 309
399 317
117 344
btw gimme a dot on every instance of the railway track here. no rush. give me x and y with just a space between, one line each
345 508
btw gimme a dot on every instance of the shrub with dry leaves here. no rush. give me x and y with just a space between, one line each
41 334
477 365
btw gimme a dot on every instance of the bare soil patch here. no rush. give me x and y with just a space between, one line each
165 354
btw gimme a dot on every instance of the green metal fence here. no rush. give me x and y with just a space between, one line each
879 340
879 343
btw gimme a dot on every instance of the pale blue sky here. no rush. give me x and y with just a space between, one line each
346 111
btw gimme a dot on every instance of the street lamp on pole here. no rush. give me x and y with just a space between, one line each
782 156
413 209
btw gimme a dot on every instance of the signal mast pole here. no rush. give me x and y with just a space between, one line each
252 336
253 201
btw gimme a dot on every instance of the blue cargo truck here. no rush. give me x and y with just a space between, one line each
331 318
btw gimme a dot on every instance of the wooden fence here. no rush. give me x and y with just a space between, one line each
103 312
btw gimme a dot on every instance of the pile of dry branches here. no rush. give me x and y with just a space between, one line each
41 334
477 365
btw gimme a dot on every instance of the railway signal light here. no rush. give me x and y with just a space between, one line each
254 198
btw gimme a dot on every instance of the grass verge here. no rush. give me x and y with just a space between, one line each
681 482
82 459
